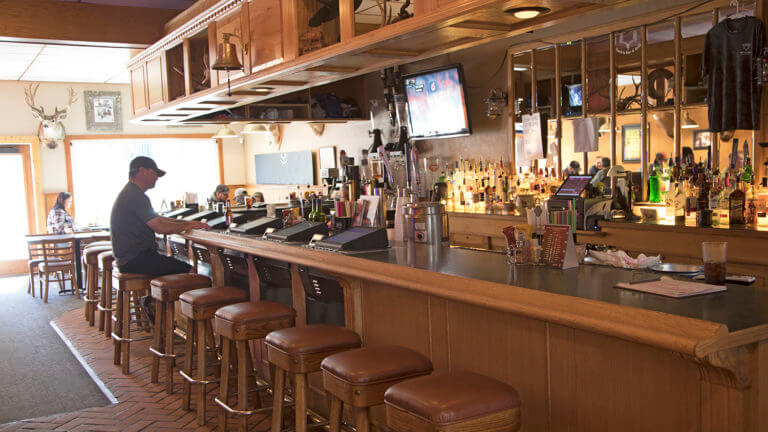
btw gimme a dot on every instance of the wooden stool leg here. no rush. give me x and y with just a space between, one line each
301 402
210 338
157 340
278 392
90 293
47 282
334 414
226 349
362 420
108 313
103 300
88 272
125 317
170 363
189 349
118 326
202 366
252 374
242 383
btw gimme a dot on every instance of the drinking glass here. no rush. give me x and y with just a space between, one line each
715 255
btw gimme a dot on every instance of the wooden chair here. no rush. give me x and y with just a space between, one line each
59 259
35 250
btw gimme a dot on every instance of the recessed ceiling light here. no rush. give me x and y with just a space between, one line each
527 12
262 89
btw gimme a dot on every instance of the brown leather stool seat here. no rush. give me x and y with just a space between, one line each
452 401
360 377
299 351
165 290
91 260
106 299
99 243
237 324
130 288
198 306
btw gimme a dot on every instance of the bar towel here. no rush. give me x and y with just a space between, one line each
585 134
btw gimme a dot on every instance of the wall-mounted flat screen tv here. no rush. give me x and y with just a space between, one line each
291 168
575 98
437 106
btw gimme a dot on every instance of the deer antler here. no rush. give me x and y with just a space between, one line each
29 96
72 99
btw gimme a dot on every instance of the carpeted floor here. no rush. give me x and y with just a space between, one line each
38 373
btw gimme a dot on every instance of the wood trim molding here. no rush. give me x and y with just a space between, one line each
37 176
220 143
29 188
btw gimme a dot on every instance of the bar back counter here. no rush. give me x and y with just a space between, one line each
583 355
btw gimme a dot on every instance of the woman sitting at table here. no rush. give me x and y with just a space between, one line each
59 221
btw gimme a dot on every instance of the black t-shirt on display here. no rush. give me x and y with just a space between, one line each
730 68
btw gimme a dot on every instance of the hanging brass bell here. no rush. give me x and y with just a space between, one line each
226 58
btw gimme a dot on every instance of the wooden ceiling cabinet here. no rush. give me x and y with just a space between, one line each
139 89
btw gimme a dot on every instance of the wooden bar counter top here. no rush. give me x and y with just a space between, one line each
583 355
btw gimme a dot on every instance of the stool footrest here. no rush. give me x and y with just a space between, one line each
162 354
197 381
231 410
91 300
122 339
104 309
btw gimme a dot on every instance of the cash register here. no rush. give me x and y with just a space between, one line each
220 222
570 196
205 214
258 226
355 239
301 232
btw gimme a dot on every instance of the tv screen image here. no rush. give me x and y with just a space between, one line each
436 103
575 98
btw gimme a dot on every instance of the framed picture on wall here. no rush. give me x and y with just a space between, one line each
702 139
103 111
630 143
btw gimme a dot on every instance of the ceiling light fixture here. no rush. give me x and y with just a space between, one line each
688 122
527 12
225 132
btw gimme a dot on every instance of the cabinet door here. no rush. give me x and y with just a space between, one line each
266 42
156 93
139 89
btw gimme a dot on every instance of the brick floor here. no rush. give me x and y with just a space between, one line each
142 406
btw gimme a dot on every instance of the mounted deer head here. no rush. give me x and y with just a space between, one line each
51 130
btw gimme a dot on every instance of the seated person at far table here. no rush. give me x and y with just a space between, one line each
601 175
59 220
239 198
221 194
258 197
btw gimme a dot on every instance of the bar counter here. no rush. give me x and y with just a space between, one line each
583 355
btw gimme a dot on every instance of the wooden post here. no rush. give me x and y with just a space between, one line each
346 19
715 136
511 96
644 142
677 151
613 83
248 48
213 46
558 113
186 49
584 94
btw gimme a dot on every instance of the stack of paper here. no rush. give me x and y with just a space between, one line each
669 287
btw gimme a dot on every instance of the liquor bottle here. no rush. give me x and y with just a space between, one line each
664 182
715 194
228 215
678 202
703 213
736 203
311 215
746 175
319 214
654 194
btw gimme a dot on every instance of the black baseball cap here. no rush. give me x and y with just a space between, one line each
144 162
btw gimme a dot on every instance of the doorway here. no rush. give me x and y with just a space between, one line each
17 220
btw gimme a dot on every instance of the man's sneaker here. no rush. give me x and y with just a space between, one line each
148 307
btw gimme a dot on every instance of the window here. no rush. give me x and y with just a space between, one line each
100 170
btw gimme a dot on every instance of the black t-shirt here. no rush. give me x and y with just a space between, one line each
730 69
128 224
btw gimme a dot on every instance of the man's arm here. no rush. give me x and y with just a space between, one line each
164 225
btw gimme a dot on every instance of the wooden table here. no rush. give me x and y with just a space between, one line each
79 237
583 355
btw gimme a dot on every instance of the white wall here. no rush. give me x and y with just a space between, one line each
16 119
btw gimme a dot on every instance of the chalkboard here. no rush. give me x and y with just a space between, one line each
292 168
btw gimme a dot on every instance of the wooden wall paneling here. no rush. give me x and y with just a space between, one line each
138 89
213 47
615 388
561 378
187 64
438 334
346 19
405 314
290 29
265 30
156 81
760 387
503 346
299 297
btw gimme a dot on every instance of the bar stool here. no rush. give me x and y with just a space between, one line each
107 294
91 261
198 307
447 402
166 290
299 351
130 288
359 378
238 324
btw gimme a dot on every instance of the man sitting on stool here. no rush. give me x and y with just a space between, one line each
133 224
